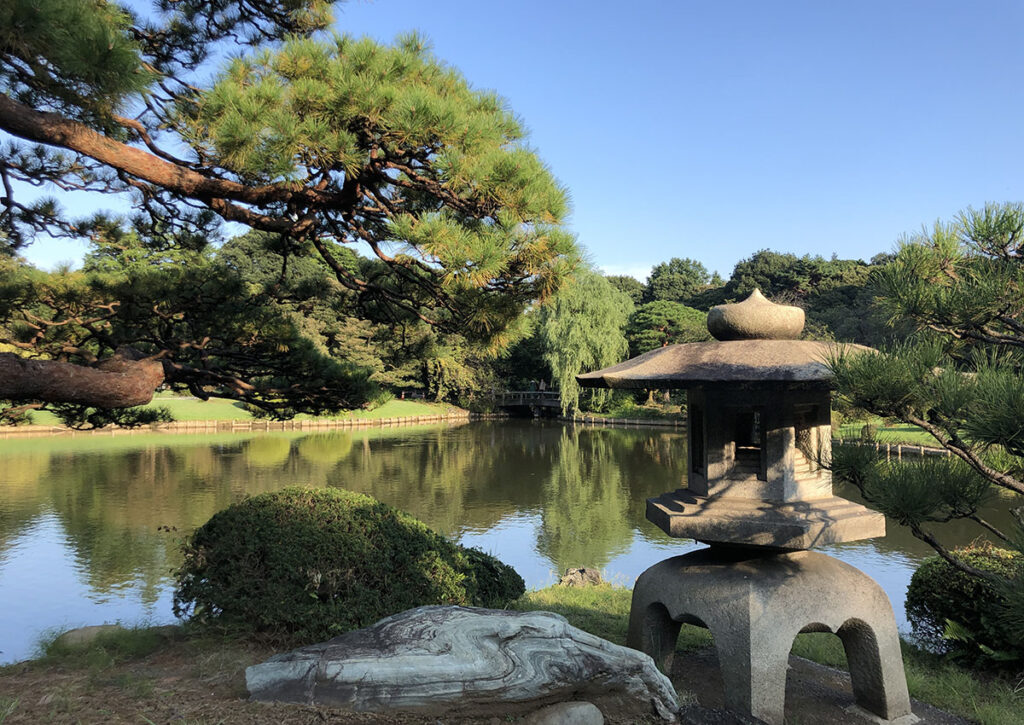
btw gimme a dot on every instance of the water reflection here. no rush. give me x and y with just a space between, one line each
82 519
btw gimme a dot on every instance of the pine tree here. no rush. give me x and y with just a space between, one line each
322 139
657 324
960 378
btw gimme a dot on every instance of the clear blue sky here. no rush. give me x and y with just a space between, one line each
714 129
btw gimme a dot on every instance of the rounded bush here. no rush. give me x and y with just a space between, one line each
939 591
305 565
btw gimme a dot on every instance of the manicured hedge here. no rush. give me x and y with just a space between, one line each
939 592
305 565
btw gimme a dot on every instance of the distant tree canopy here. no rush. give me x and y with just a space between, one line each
631 286
657 324
676 280
320 140
836 294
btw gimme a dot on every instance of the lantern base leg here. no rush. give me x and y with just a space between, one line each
755 604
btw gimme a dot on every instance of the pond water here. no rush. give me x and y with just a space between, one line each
89 524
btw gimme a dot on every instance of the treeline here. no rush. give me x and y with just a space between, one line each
257 308
599 320
836 294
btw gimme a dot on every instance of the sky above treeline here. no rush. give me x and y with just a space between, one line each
714 129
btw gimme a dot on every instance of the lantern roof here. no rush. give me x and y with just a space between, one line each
755 343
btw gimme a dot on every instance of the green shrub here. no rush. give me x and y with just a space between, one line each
939 593
304 565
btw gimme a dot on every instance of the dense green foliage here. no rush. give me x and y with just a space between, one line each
960 380
308 564
940 594
676 280
914 493
237 330
657 324
837 295
315 140
960 377
632 287
582 330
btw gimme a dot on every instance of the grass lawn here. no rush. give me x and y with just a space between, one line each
899 433
219 409
152 675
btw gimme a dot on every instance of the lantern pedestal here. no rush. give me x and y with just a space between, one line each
755 603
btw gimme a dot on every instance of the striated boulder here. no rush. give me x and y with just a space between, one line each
461 660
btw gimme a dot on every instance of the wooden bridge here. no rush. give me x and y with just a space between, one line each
536 402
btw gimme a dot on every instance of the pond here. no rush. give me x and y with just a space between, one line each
89 524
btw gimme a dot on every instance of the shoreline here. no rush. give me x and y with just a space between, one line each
318 424
248 426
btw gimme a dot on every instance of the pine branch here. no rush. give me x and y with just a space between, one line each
942 551
992 529
966 453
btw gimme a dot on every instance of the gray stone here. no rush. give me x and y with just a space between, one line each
86 635
798 525
759 439
459 660
580 577
755 605
755 318
566 713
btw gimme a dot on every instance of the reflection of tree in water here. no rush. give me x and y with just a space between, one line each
584 519
588 485
268 451
111 502
21 501
467 478
324 449
595 495
111 505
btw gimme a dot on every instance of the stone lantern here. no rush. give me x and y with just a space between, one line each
759 425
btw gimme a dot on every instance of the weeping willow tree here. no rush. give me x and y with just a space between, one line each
585 517
960 378
582 329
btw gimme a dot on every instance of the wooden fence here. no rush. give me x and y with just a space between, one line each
894 450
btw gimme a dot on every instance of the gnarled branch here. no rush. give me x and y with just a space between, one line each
117 382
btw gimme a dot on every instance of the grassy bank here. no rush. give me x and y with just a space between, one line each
151 676
217 409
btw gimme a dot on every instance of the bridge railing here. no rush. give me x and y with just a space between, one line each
528 397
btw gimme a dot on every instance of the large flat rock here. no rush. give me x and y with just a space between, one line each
438 660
